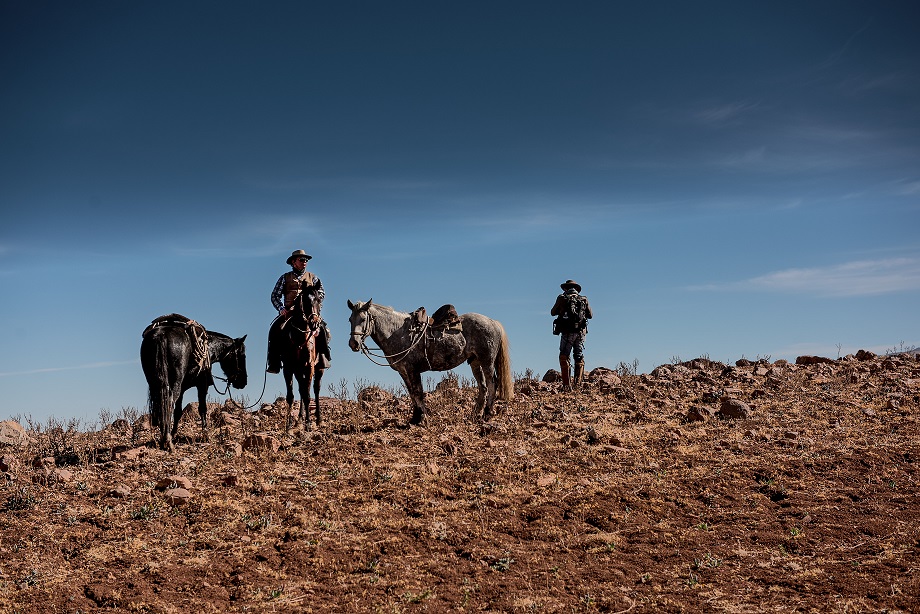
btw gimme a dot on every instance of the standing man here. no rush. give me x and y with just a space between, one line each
284 295
572 313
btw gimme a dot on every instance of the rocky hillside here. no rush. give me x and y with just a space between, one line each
697 487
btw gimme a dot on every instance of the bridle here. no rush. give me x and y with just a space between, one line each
232 378
368 329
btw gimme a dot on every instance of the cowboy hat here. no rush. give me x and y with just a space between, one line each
571 284
298 253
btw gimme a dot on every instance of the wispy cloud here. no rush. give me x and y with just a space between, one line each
722 114
837 55
343 182
859 278
907 188
887 82
93 365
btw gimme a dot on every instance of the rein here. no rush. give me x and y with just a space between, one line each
229 393
399 356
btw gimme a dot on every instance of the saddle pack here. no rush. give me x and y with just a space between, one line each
196 332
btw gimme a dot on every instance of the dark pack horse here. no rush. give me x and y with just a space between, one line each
177 354
304 356
413 343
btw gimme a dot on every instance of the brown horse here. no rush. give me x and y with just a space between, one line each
301 359
411 347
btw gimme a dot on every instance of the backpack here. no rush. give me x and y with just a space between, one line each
572 319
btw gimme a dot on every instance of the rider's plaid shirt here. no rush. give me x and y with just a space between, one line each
278 292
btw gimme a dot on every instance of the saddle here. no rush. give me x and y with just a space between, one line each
196 333
445 319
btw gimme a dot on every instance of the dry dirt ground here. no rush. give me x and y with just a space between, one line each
634 494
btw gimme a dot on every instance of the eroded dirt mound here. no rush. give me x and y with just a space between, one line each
698 487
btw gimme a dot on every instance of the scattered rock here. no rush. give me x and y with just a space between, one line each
233 448
12 434
120 492
177 496
813 360
132 454
261 442
46 476
865 355
226 419
734 409
9 463
700 413
605 379
374 395
592 435
173 481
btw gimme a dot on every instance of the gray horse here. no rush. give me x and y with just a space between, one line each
412 345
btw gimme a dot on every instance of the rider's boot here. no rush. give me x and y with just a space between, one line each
274 361
565 367
579 372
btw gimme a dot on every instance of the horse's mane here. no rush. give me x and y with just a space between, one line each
387 309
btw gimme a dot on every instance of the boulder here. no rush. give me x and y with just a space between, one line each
734 409
12 434
604 378
813 360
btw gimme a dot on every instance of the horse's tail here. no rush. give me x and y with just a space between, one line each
504 388
160 395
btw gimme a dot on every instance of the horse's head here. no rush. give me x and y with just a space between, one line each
362 324
304 307
233 363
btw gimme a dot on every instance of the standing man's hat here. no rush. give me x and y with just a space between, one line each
298 253
571 284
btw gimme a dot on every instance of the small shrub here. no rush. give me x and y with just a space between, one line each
22 500
146 512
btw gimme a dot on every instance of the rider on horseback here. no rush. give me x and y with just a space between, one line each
284 297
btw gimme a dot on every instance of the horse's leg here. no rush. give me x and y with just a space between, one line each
203 409
482 385
417 394
289 397
317 384
177 417
303 384
162 406
488 377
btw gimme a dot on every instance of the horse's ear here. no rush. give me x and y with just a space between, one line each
351 305
242 339
368 304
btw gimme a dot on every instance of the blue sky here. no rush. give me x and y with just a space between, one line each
724 179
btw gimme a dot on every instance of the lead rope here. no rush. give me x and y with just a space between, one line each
401 355
264 377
